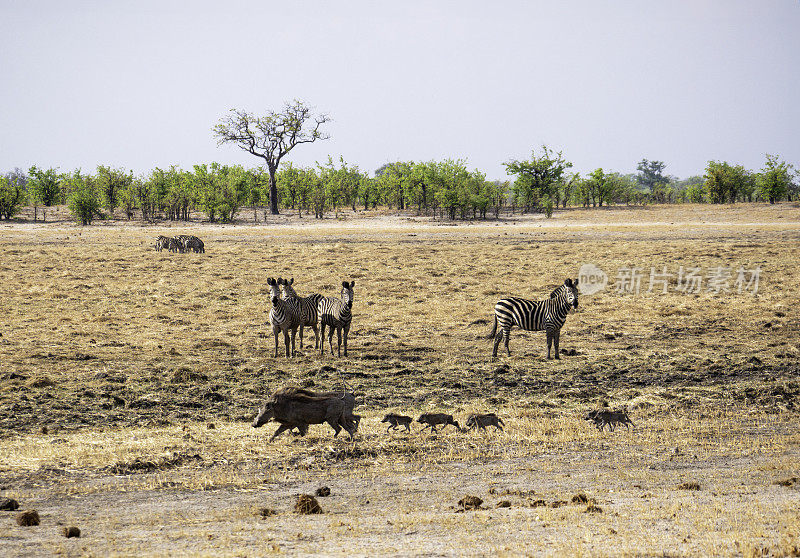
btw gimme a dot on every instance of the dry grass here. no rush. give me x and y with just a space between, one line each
125 355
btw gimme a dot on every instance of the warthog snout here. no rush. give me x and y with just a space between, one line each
263 416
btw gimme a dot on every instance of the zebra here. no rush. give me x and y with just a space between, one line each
174 245
308 308
191 242
530 315
162 242
561 288
336 314
284 316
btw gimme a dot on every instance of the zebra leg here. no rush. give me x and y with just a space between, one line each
497 339
549 343
507 336
556 337
286 340
338 341
316 335
301 337
322 338
275 331
346 331
294 333
330 337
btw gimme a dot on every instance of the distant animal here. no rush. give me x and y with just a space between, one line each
603 417
308 308
336 314
284 315
174 245
162 242
394 420
548 315
432 420
191 242
482 421
298 408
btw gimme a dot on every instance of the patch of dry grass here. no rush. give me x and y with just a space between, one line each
125 355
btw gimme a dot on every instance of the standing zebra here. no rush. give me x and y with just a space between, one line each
308 308
562 288
548 315
284 316
336 313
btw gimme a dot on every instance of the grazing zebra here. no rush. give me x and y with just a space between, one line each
174 245
308 308
336 314
162 242
548 315
191 242
284 316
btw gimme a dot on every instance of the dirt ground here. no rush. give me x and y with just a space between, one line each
129 378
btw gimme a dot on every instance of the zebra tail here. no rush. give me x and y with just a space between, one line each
494 329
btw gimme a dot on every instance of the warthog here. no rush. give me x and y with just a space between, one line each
432 420
482 421
394 420
297 408
603 417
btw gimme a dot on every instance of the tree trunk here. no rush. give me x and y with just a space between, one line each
273 191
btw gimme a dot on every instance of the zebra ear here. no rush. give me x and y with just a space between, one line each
290 282
270 281
352 284
568 282
575 282
345 285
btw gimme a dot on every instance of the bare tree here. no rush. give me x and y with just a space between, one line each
272 136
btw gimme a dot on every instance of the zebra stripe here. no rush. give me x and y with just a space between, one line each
284 316
548 315
162 242
562 288
336 314
191 242
174 245
308 308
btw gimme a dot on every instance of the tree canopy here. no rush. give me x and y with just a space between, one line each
272 136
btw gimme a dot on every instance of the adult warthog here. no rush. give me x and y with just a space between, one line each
297 408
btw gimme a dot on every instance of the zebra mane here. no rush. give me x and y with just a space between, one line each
558 290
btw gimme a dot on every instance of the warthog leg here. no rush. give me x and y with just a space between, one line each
281 429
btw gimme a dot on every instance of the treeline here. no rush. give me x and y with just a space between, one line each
442 189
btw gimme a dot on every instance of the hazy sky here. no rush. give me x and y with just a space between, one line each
140 84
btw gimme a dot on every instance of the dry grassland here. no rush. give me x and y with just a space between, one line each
129 377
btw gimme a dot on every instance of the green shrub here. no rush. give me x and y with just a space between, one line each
84 201
12 195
